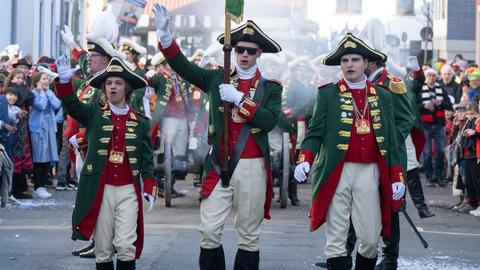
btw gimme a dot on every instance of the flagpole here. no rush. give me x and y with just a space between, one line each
227 49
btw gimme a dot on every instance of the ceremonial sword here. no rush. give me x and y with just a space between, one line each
424 243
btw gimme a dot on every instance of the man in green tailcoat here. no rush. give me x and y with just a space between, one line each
109 199
359 175
255 105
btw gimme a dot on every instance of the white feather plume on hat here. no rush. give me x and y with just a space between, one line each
104 26
104 32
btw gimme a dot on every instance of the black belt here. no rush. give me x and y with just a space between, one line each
241 141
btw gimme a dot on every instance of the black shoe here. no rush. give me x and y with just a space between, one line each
430 184
176 194
362 263
425 213
105 266
63 186
344 263
321 264
90 246
88 254
246 260
441 183
295 201
23 196
125 265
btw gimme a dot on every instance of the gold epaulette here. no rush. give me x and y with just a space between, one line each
397 85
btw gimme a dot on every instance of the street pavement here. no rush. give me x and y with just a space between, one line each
35 235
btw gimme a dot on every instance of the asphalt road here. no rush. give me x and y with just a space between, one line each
35 235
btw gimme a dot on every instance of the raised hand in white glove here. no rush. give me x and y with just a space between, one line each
47 71
412 63
151 201
67 35
65 72
229 93
150 74
162 20
398 190
192 143
301 172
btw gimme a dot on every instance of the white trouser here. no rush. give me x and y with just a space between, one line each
246 196
357 196
116 228
78 164
175 132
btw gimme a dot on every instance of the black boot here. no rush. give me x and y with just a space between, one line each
105 266
362 263
246 260
387 264
125 265
292 192
90 246
339 263
212 259
415 189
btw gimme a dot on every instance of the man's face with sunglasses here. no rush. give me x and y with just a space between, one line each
247 54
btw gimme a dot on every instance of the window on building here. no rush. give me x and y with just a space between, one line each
405 7
349 6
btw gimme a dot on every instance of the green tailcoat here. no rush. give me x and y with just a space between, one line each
97 120
262 116
329 135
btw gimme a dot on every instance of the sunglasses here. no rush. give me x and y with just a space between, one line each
241 49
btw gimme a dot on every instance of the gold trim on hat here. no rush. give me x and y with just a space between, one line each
115 68
248 31
350 44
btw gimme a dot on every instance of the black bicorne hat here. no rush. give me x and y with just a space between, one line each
118 68
353 45
252 33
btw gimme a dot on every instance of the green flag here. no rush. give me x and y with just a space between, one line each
235 10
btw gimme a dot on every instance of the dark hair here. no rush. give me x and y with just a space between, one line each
11 90
128 91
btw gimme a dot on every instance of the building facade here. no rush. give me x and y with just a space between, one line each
454 28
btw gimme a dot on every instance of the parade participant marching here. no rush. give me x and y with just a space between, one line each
404 118
132 52
359 177
172 111
255 108
109 198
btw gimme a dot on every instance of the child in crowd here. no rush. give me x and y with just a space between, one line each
469 155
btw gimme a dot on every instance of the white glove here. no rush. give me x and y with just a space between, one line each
67 35
47 71
150 74
151 201
63 68
301 172
192 143
398 190
412 63
162 19
73 142
230 94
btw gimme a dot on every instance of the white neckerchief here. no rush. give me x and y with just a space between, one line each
119 111
357 85
246 74
375 73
